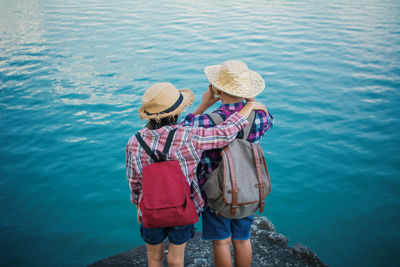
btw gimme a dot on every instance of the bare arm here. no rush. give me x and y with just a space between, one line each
222 134
207 101
250 106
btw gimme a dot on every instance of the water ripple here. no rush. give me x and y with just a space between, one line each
71 79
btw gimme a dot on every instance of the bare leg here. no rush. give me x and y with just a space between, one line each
155 255
176 255
242 253
222 253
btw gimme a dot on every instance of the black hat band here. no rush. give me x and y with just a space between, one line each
172 108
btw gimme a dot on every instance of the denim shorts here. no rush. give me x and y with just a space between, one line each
219 228
176 235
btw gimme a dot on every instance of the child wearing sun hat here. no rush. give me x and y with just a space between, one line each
232 82
161 105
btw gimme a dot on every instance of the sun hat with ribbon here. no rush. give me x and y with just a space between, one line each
163 100
234 78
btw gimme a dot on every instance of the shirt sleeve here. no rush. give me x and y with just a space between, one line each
262 123
134 180
220 135
201 120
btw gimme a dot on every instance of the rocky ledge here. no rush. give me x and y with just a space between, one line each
269 249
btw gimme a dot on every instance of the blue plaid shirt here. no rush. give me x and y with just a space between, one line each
211 158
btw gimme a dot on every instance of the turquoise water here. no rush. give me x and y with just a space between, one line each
71 78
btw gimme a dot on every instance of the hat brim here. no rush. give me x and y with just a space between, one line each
188 98
257 84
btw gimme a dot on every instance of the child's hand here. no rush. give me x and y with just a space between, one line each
207 101
139 219
208 98
259 106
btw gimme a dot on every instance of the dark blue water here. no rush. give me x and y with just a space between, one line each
71 78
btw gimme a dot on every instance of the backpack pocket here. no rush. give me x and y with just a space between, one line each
238 187
166 200
163 185
213 187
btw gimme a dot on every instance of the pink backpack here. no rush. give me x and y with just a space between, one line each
166 200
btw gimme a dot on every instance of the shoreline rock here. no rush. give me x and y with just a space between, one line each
269 249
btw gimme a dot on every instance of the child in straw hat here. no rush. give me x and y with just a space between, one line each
232 82
162 104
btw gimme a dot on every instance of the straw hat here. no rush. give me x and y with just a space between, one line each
163 100
234 78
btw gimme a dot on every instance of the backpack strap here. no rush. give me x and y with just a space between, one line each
169 141
160 156
235 188
216 118
146 147
261 183
266 169
246 130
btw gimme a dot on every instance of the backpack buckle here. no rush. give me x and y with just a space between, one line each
233 210
260 185
233 190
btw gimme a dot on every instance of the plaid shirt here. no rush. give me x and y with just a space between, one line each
187 147
211 159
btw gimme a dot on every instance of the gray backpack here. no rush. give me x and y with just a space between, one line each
238 187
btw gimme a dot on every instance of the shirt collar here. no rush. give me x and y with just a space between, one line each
158 132
232 106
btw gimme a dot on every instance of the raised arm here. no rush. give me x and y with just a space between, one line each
207 101
224 133
131 175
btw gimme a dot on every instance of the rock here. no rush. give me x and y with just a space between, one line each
269 249
134 257
263 223
277 238
306 253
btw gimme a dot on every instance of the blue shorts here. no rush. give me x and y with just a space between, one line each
219 228
176 235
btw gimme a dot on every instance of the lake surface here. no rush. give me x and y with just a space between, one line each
72 74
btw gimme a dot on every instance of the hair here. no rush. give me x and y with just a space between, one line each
222 92
157 124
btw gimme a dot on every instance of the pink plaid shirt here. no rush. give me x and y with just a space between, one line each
187 147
